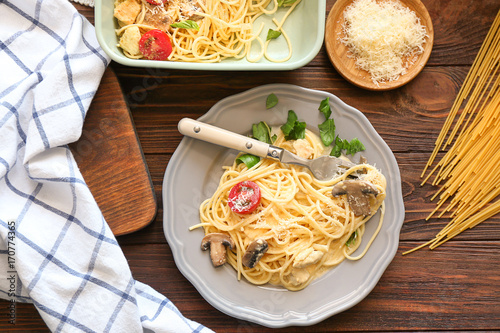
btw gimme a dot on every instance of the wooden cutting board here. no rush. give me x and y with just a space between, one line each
110 158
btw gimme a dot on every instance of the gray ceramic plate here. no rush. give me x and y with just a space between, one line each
193 173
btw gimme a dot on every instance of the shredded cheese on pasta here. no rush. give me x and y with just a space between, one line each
305 227
226 30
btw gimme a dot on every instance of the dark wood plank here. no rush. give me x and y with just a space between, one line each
438 290
110 159
424 109
453 288
423 291
25 318
86 11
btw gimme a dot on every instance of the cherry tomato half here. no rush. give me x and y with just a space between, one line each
155 45
156 2
244 197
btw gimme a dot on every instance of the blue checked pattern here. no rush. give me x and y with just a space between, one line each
56 249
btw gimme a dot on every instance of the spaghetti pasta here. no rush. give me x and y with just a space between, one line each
308 231
222 29
469 172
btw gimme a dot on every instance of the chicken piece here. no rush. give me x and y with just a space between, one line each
307 257
129 41
188 9
299 276
303 148
158 16
127 11
161 17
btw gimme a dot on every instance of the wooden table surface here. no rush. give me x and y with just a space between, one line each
455 287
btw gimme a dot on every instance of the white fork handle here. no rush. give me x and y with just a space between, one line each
222 137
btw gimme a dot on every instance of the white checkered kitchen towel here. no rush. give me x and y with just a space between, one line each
56 250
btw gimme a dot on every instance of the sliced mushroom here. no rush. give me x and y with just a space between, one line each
254 252
217 243
358 195
362 160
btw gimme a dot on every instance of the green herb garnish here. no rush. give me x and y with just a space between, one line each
338 146
354 146
336 151
352 239
187 24
271 101
290 122
324 107
298 131
327 131
262 132
273 34
293 128
249 160
350 148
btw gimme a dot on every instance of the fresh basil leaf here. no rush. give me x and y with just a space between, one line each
342 144
337 147
350 147
261 132
298 131
290 122
336 151
273 34
249 160
354 146
187 24
293 128
324 107
352 239
327 131
271 101
273 138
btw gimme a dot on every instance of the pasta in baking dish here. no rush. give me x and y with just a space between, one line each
198 30
302 227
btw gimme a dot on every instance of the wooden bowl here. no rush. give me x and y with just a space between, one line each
345 65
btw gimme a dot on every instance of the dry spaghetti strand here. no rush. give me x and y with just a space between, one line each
468 172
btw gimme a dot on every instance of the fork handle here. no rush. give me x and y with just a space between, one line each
219 136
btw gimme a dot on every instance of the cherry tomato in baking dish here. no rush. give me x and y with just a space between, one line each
156 2
155 45
244 197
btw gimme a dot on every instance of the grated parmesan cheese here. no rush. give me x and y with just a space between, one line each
385 38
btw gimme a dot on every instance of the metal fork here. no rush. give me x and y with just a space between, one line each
323 168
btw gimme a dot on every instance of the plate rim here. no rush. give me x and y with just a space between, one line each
266 319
